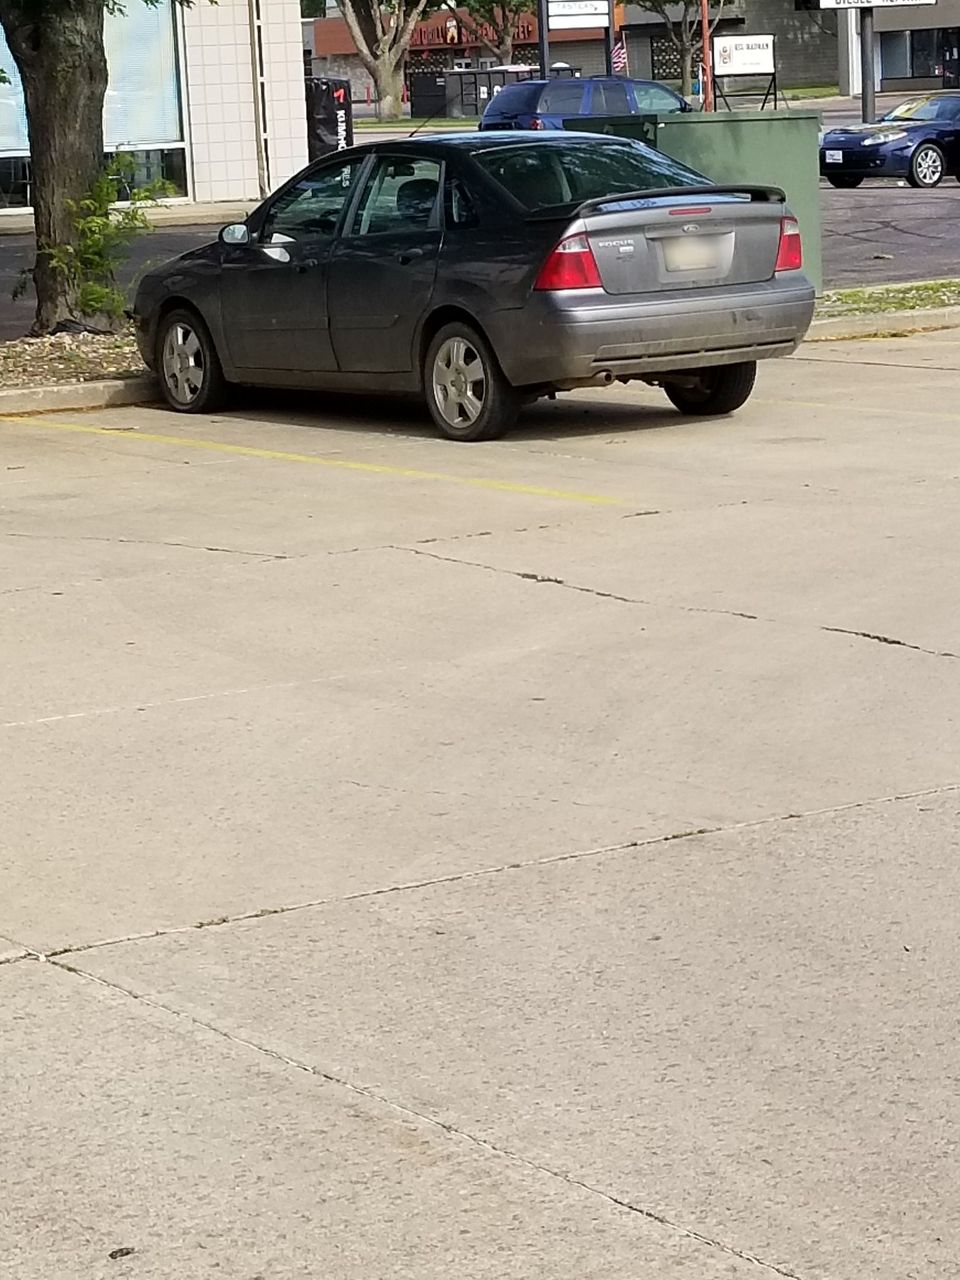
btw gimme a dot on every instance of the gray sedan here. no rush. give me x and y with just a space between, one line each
482 271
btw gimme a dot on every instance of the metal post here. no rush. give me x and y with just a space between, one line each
543 38
707 60
868 87
611 36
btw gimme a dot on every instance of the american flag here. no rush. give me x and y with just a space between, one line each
618 57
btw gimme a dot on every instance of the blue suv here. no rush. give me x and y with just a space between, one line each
545 104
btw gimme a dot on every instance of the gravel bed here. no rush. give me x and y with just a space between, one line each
82 357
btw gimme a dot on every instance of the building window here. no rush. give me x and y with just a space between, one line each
142 113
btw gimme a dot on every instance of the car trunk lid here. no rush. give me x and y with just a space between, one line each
691 239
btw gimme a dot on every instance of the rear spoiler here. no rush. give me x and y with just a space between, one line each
757 195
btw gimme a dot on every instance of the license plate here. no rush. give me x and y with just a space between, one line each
691 253
834 157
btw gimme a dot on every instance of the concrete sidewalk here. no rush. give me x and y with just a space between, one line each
536 859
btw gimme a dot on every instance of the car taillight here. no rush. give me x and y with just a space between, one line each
536 122
571 265
790 252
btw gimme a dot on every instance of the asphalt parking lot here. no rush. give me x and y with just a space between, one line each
534 859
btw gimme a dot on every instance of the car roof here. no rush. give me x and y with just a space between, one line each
586 80
492 139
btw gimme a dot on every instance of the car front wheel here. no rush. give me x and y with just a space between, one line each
844 181
713 392
926 166
191 376
468 396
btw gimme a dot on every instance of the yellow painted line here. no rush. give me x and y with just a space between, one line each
310 459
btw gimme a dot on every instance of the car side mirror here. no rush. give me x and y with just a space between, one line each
236 233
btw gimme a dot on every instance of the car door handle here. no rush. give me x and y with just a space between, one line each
406 256
307 263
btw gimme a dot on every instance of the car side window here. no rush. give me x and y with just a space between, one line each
651 98
312 206
460 206
400 195
563 97
610 100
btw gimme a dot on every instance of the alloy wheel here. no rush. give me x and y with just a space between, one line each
459 382
928 166
183 364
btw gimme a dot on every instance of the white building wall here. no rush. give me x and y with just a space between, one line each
221 96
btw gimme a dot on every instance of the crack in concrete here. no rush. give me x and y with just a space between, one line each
899 644
681 608
150 542
574 586
424 1118
458 877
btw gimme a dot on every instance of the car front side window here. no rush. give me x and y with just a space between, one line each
312 207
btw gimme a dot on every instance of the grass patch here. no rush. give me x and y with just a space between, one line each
406 126
890 297
813 91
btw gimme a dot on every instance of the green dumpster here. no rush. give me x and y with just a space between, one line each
766 148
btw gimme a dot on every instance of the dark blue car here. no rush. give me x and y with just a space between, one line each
919 141
545 104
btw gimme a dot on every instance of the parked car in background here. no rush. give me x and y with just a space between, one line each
919 140
545 104
482 271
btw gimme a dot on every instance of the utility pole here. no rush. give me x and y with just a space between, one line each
611 35
868 87
707 60
543 38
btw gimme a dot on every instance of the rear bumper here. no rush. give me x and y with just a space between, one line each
565 338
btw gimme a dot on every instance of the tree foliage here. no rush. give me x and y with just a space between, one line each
681 18
382 36
493 23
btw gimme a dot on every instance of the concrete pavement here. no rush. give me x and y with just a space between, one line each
534 858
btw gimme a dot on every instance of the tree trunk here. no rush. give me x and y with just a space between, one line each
389 81
63 66
686 71
504 50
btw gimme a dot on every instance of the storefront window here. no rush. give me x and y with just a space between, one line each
923 51
142 108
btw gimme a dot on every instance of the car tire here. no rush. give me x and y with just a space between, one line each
721 390
927 166
844 181
467 393
187 364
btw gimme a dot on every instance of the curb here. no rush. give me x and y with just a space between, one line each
884 324
77 395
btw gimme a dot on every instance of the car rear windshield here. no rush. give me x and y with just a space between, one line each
513 99
543 176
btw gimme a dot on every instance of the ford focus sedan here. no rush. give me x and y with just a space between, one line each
482 271
919 140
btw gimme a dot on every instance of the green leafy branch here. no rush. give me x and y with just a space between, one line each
103 231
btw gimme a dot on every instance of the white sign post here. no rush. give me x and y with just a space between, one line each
744 55
571 15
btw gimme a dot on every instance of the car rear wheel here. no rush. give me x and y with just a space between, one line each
714 391
845 181
468 396
191 376
926 166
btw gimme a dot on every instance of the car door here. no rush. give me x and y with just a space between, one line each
273 290
609 98
383 266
